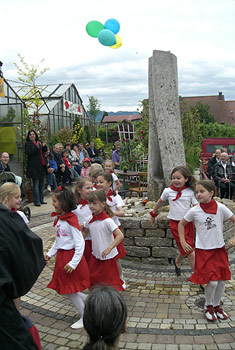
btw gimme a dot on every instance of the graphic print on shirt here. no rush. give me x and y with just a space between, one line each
209 223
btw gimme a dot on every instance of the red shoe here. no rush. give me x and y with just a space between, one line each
210 313
220 313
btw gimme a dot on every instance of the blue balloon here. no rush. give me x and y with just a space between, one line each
106 37
113 25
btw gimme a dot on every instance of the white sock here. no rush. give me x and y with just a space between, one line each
210 292
77 301
219 293
83 296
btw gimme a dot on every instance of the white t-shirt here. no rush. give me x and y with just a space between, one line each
23 216
209 227
68 237
115 178
83 213
102 237
114 205
179 207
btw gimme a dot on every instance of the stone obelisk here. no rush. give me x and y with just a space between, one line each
166 147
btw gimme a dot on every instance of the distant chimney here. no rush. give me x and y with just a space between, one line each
220 96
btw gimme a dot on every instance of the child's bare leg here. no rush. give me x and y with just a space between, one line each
17 303
179 259
191 260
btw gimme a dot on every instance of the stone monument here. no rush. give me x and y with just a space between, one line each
166 147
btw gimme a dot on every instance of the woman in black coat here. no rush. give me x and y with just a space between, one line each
36 166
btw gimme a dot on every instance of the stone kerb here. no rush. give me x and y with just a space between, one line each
155 244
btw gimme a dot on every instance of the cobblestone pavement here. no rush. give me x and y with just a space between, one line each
164 311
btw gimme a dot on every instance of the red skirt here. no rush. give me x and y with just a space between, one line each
210 265
188 233
87 250
67 283
120 248
105 272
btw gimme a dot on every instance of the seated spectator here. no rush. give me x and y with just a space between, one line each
62 170
86 166
74 158
93 154
65 156
223 177
104 319
211 163
116 155
51 170
82 153
4 160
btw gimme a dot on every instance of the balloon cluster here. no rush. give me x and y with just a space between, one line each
107 33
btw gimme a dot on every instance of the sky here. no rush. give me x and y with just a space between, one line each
200 33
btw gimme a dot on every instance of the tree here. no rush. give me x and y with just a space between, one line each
31 92
93 108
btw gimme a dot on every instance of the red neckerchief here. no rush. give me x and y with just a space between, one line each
178 190
13 209
209 208
95 186
83 202
102 216
109 194
111 172
70 217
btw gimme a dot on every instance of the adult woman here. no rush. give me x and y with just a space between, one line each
104 318
36 166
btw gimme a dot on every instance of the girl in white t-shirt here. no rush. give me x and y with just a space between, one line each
115 202
108 168
83 188
103 266
10 197
211 258
71 274
180 196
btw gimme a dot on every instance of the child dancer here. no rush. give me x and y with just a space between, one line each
86 166
115 202
211 263
94 172
82 190
103 266
180 196
10 197
71 274
108 168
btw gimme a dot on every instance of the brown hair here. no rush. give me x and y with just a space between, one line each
108 177
209 185
79 185
186 173
100 196
7 191
94 172
66 198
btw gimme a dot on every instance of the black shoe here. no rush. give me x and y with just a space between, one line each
37 204
43 202
202 288
177 269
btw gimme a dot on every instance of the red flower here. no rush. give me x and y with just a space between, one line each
142 137
135 140
126 140
130 160
143 132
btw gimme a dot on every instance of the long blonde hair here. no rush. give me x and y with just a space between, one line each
7 191
79 185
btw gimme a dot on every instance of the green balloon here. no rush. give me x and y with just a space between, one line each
93 28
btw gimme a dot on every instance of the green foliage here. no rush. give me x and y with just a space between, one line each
31 93
108 150
202 110
93 108
61 136
98 143
79 135
87 133
217 130
131 150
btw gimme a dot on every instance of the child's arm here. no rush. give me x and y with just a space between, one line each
231 243
79 245
85 232
118 238
153 213
117 185
187 248
119 212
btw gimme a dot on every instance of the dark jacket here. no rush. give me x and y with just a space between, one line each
91 155
210 167
219 172
5 168
35 169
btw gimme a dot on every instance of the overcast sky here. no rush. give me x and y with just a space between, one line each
199 32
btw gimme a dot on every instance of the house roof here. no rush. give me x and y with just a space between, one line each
117 118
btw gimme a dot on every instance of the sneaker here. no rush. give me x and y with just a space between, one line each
49 188
177 269
210 313
124 285
78 324
220 313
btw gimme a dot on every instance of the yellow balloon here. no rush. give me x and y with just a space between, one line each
118 42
